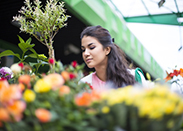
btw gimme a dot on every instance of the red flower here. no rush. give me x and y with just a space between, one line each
74 64
91 87
2 79
171 75
72 76
51 61
21 65
176 72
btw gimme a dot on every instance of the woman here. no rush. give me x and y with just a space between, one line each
99 52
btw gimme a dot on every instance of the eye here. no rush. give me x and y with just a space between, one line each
82 50
91 48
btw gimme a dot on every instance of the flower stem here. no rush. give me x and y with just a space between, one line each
8 127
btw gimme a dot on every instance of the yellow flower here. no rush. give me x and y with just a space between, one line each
42 86
145 109
155 114
161 91
105 109
169 108
179 109
173 97
29 95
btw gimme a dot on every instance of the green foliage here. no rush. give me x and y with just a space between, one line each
42 22
26 47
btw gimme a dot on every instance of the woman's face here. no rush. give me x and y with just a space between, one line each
93 52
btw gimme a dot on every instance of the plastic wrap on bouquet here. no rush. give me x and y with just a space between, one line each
177 84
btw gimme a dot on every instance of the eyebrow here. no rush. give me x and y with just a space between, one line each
88 44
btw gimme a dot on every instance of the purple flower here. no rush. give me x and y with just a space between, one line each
6 73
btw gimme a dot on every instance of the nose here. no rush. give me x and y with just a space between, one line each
86 52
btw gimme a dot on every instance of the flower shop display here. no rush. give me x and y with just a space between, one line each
43 103
53 100
134 109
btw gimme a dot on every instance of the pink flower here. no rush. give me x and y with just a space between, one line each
51 61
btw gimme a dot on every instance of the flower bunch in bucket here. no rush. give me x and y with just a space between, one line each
135 109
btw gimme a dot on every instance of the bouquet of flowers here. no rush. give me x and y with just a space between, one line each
134 109
175 78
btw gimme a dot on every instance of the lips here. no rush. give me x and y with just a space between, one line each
88 60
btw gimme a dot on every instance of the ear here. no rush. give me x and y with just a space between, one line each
107 50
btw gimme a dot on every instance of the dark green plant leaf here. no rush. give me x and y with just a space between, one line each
8 53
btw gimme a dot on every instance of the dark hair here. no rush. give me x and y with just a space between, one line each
117 72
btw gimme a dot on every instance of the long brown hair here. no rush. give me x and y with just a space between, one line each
117 68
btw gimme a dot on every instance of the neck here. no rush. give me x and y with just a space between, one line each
101 73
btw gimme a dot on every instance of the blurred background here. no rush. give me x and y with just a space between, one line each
158 25
148 31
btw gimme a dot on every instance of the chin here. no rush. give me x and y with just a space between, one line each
90 66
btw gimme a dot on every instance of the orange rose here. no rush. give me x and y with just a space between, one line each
87 98
84 100
3 84
21 86
43 115
8 95
65 75
25 79
4 116
64 90
16 109
55 80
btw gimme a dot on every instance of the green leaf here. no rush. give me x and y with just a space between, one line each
32 64
28 41
24 46
8 53
33 51
21 40
31 55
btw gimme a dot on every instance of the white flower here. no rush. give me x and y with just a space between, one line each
15 68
